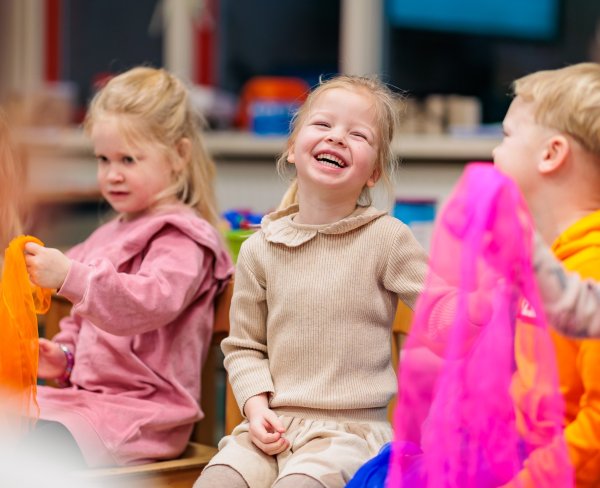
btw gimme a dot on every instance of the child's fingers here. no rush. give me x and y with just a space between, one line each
262 431
32 248
274 421
267 429
261 434
272 448
44 344
283 445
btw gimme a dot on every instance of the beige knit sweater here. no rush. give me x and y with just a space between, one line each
312 312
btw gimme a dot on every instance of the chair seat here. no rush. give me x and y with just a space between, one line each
180 472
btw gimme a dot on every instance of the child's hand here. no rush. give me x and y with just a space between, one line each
47 267
52 362
266 430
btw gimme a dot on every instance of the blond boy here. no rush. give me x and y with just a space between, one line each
551 148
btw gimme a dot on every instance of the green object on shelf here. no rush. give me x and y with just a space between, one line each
235 239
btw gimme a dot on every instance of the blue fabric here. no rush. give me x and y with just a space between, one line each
372 474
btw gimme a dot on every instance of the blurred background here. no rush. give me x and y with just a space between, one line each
248 62
464 47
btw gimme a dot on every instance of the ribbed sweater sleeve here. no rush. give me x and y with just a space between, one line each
246 353
405 267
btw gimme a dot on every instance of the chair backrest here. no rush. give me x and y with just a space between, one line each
400 330
222 306
214 400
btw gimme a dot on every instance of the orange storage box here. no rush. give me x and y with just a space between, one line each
268 103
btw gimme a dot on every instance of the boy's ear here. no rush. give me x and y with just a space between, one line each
184 153
555 153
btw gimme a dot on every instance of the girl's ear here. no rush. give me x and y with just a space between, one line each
554 154
291 158
374 178
184 153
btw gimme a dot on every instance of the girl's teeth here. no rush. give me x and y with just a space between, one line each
330 160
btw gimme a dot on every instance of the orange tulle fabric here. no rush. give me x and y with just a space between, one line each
19 304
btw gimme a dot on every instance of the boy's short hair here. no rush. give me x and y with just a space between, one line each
566 99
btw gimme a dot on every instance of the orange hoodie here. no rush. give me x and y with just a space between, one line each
578 364
579 360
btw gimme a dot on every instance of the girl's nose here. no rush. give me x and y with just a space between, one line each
114 174
336 137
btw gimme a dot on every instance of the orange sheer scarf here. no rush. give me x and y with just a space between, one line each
20 300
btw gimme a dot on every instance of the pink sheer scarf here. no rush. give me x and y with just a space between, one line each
480 406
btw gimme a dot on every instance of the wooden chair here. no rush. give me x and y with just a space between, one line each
183 471
400 330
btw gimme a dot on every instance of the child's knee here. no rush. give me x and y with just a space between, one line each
298 481
218 476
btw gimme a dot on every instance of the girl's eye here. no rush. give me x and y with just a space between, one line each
128 160
101 159
360 135
320 123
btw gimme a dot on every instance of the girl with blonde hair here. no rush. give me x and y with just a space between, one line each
309 353
142 285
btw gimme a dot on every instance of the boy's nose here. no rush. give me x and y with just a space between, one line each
494 153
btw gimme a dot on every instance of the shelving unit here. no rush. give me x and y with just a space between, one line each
62 167
62 172
237 145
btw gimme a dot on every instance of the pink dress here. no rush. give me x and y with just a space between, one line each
143 294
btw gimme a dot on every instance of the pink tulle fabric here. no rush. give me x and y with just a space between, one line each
479 405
